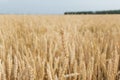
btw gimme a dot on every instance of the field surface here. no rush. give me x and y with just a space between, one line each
84 47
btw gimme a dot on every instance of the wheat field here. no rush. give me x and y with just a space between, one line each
81 47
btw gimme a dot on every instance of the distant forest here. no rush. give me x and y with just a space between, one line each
95 12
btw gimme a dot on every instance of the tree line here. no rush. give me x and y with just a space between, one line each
95 12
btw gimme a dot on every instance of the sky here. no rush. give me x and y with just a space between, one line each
55 6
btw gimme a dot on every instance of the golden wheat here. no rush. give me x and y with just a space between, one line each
83 47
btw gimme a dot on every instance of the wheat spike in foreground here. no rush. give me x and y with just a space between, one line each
84 47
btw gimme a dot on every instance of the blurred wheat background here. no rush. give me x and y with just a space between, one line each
59 47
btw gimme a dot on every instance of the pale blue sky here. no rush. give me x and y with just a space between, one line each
55 6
